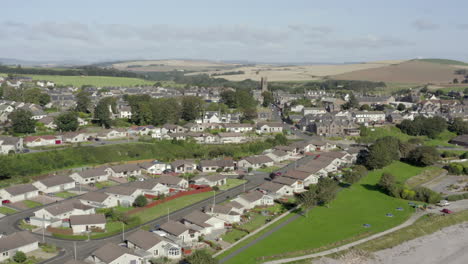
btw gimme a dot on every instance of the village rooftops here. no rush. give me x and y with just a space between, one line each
110 252
198 218
284 180
295 174
121 190
279 153
56 180
92 172
258 159
168 180
67 206
92 219
144 239
94 197
217 163
219 209
146 185
20 189
16 240
173 228
252 196
211 178
234 204
271 186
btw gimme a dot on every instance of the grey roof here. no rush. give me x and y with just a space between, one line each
219 209
296 174
217 163
178 163
168 180
211 178
280 153
198 218
16 240
285 148
56 180
92 219
145 185
234 204
144 239
67 206
262 159
270 124
92 172
94 196
110 252
174 228
271 186
252 196
125 167
230 134
20 189
284 180
121 190
9 140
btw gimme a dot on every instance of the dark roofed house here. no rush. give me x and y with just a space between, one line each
124 170
214 165
184 166
22 241
173 182
255 162
91 175
153 244
112 253
99 200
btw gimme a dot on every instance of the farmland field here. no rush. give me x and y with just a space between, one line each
339 222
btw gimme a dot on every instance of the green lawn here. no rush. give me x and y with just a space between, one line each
441 140
7 211
176 204
268 169
343 220
104 184
65 194
91 80
112 228
233 235
231 183
427 175
31 204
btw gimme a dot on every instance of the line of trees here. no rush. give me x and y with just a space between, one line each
392 187
24 94
76 71
423 126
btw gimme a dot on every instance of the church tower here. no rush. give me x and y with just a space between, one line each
264 84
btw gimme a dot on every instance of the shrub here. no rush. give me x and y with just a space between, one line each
19 257
455 197
455 168
424 194
140 201
465 196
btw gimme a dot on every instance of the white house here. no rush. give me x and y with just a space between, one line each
154 167
10 144
112 134
276 190
47 140
264 128
154 244
231 137
313 111
296 185
210 180
124 170
75 137
223 212
215 165
124 194
278 155
19 192
90 175
151 187
54 184
114 254
53 215
253 199
255 162
184 166
202 222
85 223
173 182
178 232
22 241
238 128
99 200
366 117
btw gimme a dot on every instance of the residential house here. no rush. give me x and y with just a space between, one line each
296 185
202 222
48 122
297 108
461 140
125 112
154 167
19 192
22 241
143 130
91 175
276 190
303 178
254 198
210 180
115 254
173 182
291 150
369 117
313 111
99 200
231 137
125 195
10 145
264 128
55 214
108 134
170 128
75 137
215 165
155 245
278 155
224 212
255 162
124 170
184 166
375 100
85 223
264 114
178 232
46 140
151 187
238 128
55 184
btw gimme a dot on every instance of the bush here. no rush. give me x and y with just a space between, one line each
455 168
424 194
19 257
455 197
140 201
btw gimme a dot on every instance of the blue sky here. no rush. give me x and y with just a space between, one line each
255 30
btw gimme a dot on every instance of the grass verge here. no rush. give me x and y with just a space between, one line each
7 210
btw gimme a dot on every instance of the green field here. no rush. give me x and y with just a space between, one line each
445 61
65 194
231 183
31 204
342 221
7 210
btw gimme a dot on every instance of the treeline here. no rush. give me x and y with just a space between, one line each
345 85
392 187
24 94
228 73
36 163
423 126
77 71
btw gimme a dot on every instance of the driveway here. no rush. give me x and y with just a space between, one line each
445 185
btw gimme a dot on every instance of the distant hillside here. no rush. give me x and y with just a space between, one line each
171 65
445 61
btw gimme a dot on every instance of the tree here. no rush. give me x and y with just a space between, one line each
383 152
249 113
267 98
386 182
355 174
228 97
352 102
36 96
365 107
455 80
423 156
326 189
22 122
20 257
201 257
141 113
401 107
405 148
83 101
192 107
455 168
67 121
458 126
140 201
308 200
102 112
280 139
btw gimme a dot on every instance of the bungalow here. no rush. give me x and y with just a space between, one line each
304 177
47 140
184 166
112 134
276 190
154 167
99 200
318 145
202 137
215 165
210 180
91 175
289 149
124 170
295 184
85 223
176 136
278 155
178 232
125 195
313 111
156 246
238 128
231 137
263 128
19 192
254 198
143 130
10 145
236 207
55 184
223 212
173 182
195 127
202 222
53 215
125 112
151 187
114 254
75 137
22 241
174 128
255 162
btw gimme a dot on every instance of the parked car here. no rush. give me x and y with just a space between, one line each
443 203
6 201
446 211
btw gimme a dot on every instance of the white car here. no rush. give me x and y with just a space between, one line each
443 203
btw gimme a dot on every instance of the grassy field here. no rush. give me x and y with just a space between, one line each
91 80
7 211
338 223
31 204
112 228
65 194
427 175
231 183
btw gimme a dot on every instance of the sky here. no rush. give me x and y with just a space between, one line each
281 31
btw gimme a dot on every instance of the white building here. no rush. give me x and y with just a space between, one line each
55 184
154 244
90 176
85 223
253 199
22 241
19 192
